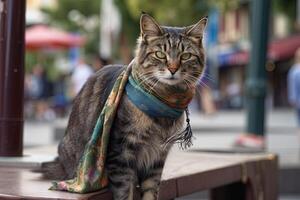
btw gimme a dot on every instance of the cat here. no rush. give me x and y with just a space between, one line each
165 57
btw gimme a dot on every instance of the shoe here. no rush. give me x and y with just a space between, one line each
250 141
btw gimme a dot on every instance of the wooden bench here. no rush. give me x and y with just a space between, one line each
230 176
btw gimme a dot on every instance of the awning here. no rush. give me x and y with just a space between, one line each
40 36
278 50
284 49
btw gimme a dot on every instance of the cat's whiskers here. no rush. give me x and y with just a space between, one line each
147 73
145 79
190 84
187 84
153 87
202 84
194 79
206 75
198 81
195 82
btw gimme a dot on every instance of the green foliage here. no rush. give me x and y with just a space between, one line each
169 12
130 24
30 61
45 60
165 11
73 15
60 14
284 6
175 13
78 16
288 8
224 5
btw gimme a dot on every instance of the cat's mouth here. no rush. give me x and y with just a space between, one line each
170 80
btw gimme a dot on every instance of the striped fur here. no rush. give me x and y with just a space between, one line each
135 154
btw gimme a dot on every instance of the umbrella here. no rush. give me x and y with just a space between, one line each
41 36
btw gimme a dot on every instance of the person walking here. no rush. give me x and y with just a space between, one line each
80 75
294 86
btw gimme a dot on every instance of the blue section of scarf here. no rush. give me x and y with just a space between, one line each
148 103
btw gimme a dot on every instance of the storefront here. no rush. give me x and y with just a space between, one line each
232 71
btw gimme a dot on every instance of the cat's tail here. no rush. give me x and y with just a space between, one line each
53 170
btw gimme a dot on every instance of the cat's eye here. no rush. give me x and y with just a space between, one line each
186 56
160 55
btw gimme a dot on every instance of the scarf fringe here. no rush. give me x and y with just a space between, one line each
184 138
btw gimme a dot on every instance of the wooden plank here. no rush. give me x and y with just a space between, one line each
270 181
184 173
168 190
210 179
17 182
180 164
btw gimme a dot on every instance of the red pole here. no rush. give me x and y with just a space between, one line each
12 30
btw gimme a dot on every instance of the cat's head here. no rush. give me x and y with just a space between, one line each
169 55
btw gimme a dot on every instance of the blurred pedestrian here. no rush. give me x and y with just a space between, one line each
294 85
80 74
60 99
39 90
35 86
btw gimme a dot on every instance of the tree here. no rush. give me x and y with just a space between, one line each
165 11
170 12
78 16
289 9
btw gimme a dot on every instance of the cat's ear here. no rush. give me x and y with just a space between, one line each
197 30
149 26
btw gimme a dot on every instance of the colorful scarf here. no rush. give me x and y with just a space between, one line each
91 175
148 103
179 98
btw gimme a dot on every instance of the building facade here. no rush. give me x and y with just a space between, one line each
233 53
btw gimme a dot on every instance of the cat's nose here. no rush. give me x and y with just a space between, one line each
173 72
173 68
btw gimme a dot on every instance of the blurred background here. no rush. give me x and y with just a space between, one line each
67 41
61 35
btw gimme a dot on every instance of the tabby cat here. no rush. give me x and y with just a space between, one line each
166 58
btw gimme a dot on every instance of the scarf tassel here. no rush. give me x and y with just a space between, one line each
184 138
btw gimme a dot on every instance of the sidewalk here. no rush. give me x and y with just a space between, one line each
218 132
